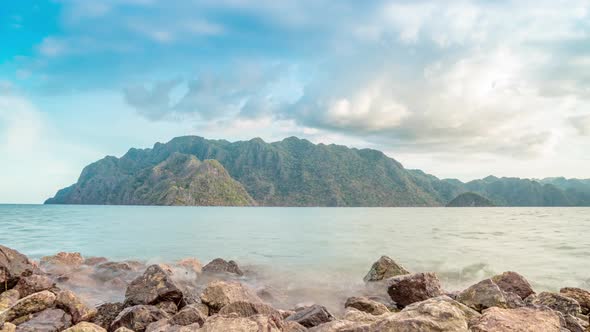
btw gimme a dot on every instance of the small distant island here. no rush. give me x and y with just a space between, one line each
192 170
470 200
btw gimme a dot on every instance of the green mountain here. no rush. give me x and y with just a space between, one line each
292 172
470 200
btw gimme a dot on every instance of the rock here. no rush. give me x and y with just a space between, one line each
85 327
512 282
92 261
557 302
524 319
384 268
257 323
247 309
163 325
311 316
290 326
13 266
218 294
8 299
575 324
73 305
355 315
154 286
485 294
580 295
49 320
433 315
220 265
138 317
191 264
190 314
71 259
33 284
407 289
106 314
123 329
366 305
168 306
7 327
342 326
28 305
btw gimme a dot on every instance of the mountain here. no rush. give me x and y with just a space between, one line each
291 172
470 200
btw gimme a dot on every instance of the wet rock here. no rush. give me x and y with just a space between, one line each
311 316
154 286
13 266
435 314
190 314
285 313
138 317
85 327
575 324
407 289
512 282
8 299
218 294
33 284
168 306
92 261
191 264
71 259
73 305
49 320
28 305
384 268
558 302
220 265
367 305
485 294
7 327
580 295
106 314
290 326
247 309
256 323
524 319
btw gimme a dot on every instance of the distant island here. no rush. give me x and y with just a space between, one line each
192 170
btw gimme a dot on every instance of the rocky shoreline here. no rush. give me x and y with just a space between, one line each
53 295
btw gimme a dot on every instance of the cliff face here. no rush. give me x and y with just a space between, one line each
470 200
191 170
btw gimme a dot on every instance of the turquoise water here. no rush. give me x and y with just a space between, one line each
550 246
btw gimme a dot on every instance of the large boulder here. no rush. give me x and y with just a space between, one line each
154 286
71 259
13 266
50 320
257 323
342 325
580 295
439 314
220 265
407 289
219 293
311 316
85 327
525 319
8 299
367 305
33 284
247 309
73 305
106 314
557 302
384 268
485 294
138 317
28 305
7 327
355 315
190 314
512 282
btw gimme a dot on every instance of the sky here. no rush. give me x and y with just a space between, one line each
459 89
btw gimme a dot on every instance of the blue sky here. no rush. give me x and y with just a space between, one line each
459 89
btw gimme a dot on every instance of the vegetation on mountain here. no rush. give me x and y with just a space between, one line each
470 200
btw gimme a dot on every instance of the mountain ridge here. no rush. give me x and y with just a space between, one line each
297 172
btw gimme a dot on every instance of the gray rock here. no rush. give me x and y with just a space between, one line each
218 294
558 302
8 299
73 305
311 316
50 320
485 294
366 305
580 295
85 327
220 265
190 314
106 314
257 323
13 266
247 309
383 269
138 317
524 319
33 284
407 289
154 286
28 305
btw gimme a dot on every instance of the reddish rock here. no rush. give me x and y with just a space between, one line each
33 284
13 266
220 265
50 320
154 286
518 320
138 317
580 295
366 305
512 282
312 316
407 289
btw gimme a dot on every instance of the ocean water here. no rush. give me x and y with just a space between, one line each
320 248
